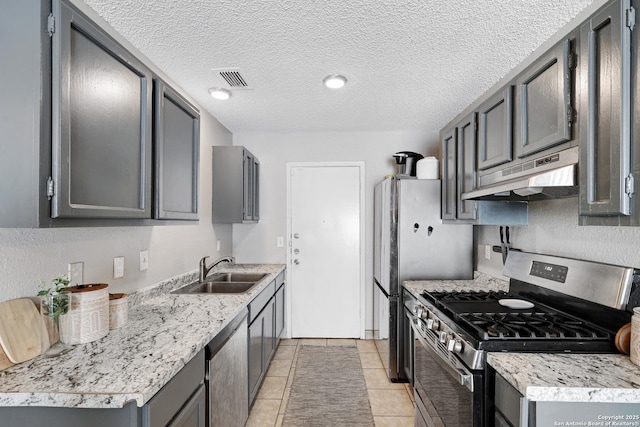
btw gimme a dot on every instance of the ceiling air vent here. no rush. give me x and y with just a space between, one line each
232 77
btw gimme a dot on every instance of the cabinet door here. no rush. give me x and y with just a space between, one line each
176 154
279 312
449 174
248 182
255 355
101 123
545 110
605 112
269 335
466 166
193 412
256 189
495 130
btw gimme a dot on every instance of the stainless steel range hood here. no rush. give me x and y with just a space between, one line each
548 177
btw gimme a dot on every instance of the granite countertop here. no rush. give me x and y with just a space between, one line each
163 333
570 377
551 376
480 282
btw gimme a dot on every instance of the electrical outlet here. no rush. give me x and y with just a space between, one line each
76 273
280 242
144 260
218 245
118 267
487 251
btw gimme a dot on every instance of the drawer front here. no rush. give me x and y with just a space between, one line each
164 406
258 303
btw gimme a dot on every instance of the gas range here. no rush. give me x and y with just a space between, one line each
536 315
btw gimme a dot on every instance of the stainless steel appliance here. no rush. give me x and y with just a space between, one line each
410 243
553 305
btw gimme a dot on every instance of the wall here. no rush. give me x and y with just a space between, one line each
553 229
257 242
28 256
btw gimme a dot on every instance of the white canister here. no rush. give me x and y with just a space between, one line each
118 310
88 316
634 347
428 168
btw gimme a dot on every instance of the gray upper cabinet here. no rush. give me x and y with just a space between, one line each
544 108
176 154
605 115
101 123
449 174
467 178
495 130
459 170
236 185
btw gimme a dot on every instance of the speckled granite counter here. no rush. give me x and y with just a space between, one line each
164 331
552 377
480 282
570 377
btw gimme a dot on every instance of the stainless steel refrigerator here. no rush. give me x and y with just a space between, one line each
411 243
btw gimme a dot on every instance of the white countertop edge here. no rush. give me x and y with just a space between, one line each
71 400
583 394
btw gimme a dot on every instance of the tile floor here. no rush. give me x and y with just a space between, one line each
391 404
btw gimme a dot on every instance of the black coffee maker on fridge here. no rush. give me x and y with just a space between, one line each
408 162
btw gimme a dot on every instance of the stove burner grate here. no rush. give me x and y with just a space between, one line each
530 325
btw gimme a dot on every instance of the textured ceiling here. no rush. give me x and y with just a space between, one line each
411 64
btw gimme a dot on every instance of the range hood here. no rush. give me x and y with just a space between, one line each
549 177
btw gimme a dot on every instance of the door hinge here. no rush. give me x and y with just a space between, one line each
631 17
629 185
51 24
51 187
570 114
572 62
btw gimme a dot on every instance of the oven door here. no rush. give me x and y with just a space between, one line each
447 393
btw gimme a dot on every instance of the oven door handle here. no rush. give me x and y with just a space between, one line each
464 378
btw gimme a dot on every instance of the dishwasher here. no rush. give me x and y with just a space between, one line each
226 375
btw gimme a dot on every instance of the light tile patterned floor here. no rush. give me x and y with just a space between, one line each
391 404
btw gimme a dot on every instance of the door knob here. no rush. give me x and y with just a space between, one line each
296 261
296 235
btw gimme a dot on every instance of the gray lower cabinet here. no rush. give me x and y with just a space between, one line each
236 185
266 324
606 175
176 154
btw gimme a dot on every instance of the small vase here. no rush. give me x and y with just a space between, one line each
52 307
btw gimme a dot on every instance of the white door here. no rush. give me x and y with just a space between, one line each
326 250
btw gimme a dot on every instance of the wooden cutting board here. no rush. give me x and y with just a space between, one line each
20 329
4 360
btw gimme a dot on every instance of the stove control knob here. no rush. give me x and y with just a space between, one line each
454 345
443 337
433 324
420 312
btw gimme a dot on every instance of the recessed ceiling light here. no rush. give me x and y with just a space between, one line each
220 93
334 81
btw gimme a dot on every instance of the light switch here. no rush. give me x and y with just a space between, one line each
144 260
118 267
76 272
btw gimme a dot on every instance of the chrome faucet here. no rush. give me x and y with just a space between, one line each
204 270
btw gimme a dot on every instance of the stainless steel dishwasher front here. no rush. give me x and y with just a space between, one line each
227 375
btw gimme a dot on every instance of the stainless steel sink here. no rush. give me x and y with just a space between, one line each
223 283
